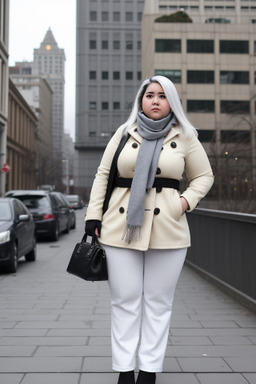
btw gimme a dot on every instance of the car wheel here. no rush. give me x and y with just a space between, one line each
56 233
31 256
68 227
13 265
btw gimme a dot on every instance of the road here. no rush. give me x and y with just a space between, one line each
55 328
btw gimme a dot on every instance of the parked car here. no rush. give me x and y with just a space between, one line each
75 201
62 201
17 234
50 217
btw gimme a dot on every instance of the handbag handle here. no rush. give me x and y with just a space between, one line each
94 239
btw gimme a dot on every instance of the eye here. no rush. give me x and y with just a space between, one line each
162 97
149 96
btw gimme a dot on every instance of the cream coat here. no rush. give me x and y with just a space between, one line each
164 225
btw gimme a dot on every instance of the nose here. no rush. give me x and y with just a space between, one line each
155 100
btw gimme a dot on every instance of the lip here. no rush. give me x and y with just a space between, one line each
155 109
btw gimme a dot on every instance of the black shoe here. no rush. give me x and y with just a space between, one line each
126 378
146 378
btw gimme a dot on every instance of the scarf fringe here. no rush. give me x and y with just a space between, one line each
131 233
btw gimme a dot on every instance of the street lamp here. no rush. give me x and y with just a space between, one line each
67 175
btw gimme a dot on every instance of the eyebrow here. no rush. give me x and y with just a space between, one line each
159 93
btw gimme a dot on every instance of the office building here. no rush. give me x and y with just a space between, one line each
4 38
108 76
213 65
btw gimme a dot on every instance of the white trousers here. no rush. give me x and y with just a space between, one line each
142 286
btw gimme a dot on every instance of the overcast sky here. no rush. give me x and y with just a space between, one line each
29 22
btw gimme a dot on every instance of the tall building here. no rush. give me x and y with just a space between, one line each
108 76
39 95
49 62
4 38
213 65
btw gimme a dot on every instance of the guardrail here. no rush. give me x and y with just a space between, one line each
224 251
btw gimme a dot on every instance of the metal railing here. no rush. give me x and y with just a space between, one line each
224 250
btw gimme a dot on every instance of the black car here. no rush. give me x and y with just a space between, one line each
75 201
17 234
49 214
62 201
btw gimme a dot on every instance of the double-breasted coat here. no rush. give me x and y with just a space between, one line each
164 225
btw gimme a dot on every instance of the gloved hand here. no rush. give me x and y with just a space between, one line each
91 225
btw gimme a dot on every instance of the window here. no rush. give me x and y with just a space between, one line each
235 106
139 16
104 75
139 75
116 105
200 77
201 106
139 45
168 45
93 75
234 46
104 44
104 16
173 75
128 16
129 44
92 105
116 75
93 16
116 44
235 136
200 46
206 136
116 16
93 44
234 77
129 75
104 105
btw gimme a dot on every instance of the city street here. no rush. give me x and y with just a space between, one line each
55 328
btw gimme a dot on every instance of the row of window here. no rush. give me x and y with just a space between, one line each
207 136
203 46
129 45
116 16
207 77
116 75
194 106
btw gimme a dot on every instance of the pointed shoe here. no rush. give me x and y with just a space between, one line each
146 378
126 378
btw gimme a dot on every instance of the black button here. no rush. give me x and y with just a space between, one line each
121 209
173 144
135 130
158 189
134 145
156 211
158 171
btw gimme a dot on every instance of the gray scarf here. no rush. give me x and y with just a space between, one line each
153 133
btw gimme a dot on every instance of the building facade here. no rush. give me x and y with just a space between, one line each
21 147
4 37
39 95
108 75
213 66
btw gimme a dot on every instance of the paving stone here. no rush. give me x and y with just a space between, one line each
11 378
250 377
186 340
51 378
209 364
74 351
40 364
221 378
243 364
16 351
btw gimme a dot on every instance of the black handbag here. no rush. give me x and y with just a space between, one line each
88 260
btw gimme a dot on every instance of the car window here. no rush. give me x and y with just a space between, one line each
17 208
54 201
64 203
5 212
34 202
22 208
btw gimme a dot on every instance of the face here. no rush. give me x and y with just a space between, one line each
154 102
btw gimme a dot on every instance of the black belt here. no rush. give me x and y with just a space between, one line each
159 183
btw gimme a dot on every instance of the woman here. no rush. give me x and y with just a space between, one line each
144 230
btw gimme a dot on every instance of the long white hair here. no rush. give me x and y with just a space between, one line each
187 129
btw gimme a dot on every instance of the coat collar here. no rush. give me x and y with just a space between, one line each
171 134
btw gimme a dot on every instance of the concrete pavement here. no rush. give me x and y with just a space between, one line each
55 328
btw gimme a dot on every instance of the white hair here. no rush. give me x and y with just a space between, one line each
187 129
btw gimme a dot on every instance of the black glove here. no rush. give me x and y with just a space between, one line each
91 225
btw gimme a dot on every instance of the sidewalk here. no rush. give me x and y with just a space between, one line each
55 328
